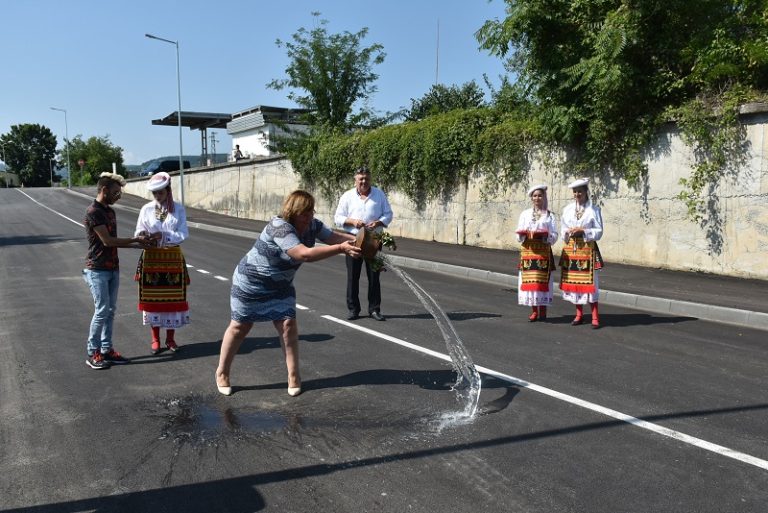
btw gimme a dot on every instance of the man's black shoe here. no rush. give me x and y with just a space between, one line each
351 316
377 316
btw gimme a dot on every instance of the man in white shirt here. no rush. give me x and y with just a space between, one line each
364 207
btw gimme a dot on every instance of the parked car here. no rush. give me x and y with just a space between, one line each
163 165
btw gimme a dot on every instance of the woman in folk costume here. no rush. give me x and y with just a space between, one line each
582 227
162 271
537 231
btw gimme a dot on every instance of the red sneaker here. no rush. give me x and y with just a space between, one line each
113 357
97 361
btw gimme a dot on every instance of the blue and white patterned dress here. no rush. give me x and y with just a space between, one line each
262 284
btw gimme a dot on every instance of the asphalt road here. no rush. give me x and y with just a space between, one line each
649 414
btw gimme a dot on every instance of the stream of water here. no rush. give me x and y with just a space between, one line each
468 383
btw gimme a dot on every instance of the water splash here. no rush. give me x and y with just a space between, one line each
196 421
468 383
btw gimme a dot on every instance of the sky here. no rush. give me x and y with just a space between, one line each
91 57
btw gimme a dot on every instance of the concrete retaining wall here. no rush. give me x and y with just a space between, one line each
645 227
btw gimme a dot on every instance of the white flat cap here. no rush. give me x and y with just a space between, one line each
159 181
540 187
581 182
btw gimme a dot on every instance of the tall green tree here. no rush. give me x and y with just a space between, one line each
331 74
29 149
97 154
441 98
607 73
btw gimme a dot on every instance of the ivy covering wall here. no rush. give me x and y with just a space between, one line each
425 159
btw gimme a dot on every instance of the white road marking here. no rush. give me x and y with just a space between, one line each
634 421
52 210
301 307
82 226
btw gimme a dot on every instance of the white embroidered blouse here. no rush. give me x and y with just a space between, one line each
173 225
587 217
545 222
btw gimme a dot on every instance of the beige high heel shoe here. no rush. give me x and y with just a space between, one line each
294 391
222 390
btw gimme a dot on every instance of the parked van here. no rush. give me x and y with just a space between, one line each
163 165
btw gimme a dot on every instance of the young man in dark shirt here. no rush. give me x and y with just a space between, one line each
102 270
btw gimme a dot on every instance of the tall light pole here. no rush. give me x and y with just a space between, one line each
178 112
5 163
50 165
66 135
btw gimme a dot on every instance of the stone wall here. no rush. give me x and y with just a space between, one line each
644 227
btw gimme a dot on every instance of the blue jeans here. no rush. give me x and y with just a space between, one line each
103 285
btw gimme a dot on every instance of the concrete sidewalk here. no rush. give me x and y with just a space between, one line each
737 301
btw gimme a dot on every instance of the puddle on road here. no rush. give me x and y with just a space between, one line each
204 421
193 420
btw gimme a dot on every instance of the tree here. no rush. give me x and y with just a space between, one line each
606 74
441 98
334 72
29 149
98 153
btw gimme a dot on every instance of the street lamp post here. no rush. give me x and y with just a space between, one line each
5 163
178 112
66 135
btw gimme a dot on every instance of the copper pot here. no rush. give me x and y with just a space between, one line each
368 243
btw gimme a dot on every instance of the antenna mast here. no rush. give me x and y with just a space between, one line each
437 53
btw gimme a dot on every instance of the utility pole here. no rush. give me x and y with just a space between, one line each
5 167
213 145
66 135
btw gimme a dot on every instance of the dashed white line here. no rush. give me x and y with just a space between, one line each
634 421
221 278
301 307
202 271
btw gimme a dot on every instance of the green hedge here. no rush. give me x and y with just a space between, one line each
424 160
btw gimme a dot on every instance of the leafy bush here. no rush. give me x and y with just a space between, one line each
424 160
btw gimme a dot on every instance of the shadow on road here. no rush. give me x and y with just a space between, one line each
240 495
26 240
453 316
623 320
204 349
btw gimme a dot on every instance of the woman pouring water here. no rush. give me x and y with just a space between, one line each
262 285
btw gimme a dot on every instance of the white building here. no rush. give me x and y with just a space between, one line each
255 129
9 179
